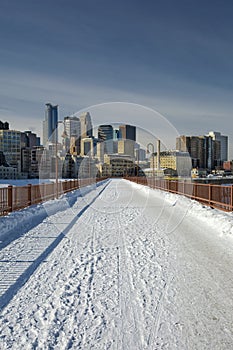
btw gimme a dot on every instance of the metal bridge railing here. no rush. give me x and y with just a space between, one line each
215 196
18 197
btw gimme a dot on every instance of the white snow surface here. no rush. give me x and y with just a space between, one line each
118 266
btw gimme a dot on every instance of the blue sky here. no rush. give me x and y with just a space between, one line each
174 56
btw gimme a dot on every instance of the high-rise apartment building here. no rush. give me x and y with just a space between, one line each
72 126
203 150
196 147
140 153
86 125
10 145
127 132
105 134
126 147
29 139
223 144
4 125
50 124
176 160
72 133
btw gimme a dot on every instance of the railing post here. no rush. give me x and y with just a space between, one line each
29 194
194 190
210 194
10 198
231 207
55 188
44 187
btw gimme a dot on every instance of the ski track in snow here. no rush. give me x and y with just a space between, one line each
116 279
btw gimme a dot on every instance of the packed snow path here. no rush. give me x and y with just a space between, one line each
124 267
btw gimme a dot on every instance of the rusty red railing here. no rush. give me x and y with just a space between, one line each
215 196
18 197
15 198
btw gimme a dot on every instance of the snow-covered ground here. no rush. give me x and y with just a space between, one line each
120 267
7 182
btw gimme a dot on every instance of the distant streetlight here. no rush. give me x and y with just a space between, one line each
150 145
137 153
89 168
56 159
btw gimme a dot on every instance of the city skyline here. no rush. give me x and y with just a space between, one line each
176 59
114 152
94 132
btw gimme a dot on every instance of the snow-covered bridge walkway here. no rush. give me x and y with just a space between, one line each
122 267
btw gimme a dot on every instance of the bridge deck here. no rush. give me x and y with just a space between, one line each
124 267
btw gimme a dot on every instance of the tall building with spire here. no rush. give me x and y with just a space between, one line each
50 124
86 125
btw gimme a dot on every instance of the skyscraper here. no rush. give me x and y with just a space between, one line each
4 125
29 139
10 145
126 147
72 126
223 144
127 132
105 132
203 150
86 125
50 124
72 130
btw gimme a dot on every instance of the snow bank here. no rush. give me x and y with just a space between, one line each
6 183
24 182
15 224
217 219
